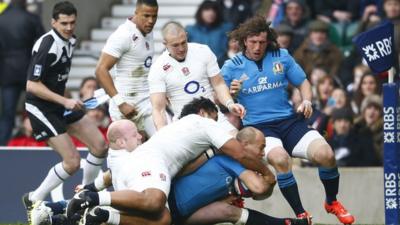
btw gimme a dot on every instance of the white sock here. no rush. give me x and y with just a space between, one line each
91 168
104 198
113 218
55 177
243 217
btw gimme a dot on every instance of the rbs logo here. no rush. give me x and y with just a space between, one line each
383 47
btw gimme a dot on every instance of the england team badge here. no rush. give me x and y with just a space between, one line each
277 68
185 71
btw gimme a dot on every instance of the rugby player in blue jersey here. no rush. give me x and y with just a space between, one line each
259 78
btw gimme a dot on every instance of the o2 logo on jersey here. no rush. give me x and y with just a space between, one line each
192 87
148 61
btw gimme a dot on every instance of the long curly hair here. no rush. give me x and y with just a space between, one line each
255 26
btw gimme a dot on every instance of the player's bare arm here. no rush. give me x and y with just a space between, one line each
40 90
306 94
159 103
196 163
106 62
260 186
247 159
223 95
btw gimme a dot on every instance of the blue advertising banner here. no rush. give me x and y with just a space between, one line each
391 154
377 46
22 171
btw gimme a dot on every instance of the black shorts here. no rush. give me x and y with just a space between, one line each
47 124
290 130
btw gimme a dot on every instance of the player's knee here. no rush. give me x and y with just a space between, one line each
325 156
73 163
229 212
280 161
100 148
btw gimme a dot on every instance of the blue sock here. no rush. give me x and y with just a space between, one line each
330 180
288 186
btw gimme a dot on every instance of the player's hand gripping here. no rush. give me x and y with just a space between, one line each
82 200
235 87
305 108
90 187
128 110
237 109
73 104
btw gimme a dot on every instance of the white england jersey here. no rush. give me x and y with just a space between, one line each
183 81
155 163
115 162
135 54
182 141
131 170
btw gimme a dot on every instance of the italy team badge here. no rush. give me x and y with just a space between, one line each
277 68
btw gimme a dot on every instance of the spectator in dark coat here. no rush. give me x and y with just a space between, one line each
370 124
235 11
351 148
318 51
19 30
295 17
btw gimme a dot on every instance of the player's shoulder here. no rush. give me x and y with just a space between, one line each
236 61
47 39
123 31
280 53
198 47
161 60
45 42
197 119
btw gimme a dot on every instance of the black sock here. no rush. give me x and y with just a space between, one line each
257 218
291 194
330 179
331 189
289 189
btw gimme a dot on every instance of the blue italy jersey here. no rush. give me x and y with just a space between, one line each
210 182
264 88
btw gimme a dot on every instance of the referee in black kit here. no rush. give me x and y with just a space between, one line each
46 104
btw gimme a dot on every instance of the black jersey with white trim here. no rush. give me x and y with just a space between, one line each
50 64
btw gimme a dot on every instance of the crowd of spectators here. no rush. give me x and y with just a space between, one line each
347 95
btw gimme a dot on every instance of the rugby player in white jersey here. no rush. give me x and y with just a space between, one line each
149 169
183 72
130 49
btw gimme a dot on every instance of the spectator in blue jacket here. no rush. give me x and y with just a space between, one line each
210 29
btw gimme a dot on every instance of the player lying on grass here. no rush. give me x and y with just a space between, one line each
143 182
195 198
